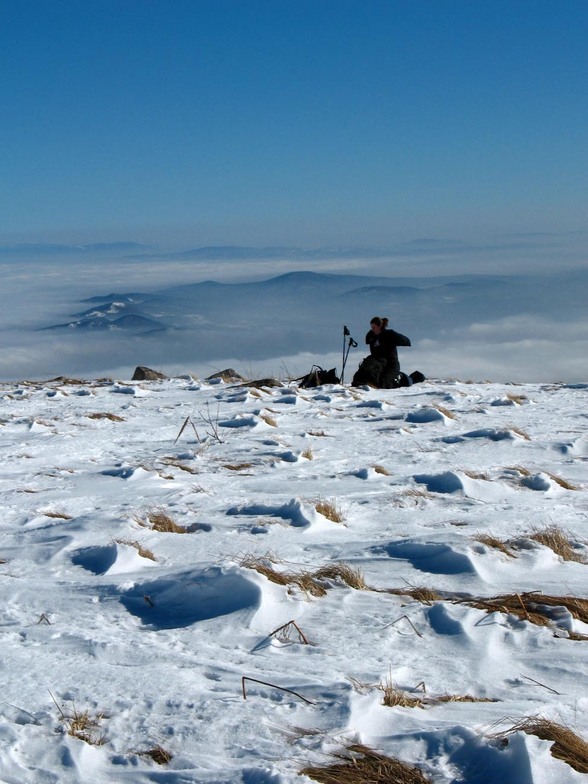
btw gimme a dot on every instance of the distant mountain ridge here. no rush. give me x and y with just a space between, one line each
61 249
305 312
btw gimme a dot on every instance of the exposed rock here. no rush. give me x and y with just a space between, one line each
226 375
146 374
263 382
66 380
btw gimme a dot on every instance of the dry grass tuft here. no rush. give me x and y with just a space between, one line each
303 580
158 754
532 607
57 515
358 764
559 541
237 466
330 510
106 415
171 461
82 726
518 399
496 543
269 420
554 477
158 519
425 595
144 552
567 746
308 454
463 698
561 482
477 475
396 698
535 607
518 432
343 572
445 411
520 470
262 566
422 595
309 582
414 494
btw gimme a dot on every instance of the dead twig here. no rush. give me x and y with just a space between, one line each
16 707
526 614
188 421
405 617
212 422
526 677
273 686
286 628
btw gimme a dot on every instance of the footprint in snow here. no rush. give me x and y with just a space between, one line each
115 558
429 557
425 415
478 489
292 511
185 599
97 560
239 421
577 447
441 621
492 435
128 472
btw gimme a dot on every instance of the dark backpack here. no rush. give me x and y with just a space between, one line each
370 371
317 377
375 372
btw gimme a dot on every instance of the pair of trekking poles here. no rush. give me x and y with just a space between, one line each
348 344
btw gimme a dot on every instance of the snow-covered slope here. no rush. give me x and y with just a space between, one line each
232 650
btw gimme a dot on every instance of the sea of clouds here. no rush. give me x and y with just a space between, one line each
102 310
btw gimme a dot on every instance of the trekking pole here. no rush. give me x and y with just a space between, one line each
345 333
351 343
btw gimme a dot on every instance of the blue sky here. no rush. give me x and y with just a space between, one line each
308 122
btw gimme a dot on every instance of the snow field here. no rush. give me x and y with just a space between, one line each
157 650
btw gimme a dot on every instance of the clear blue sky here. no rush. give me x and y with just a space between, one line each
307 122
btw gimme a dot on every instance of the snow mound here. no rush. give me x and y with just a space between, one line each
191 597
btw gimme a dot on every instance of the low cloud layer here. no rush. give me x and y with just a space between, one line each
102 317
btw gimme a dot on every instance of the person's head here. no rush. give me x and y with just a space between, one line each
377 324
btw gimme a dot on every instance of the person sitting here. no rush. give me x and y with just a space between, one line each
382 368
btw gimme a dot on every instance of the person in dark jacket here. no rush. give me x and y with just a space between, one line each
383 342
382 368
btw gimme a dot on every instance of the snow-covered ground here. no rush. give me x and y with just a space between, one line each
185 654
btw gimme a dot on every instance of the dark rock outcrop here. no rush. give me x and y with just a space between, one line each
146 374
227 375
